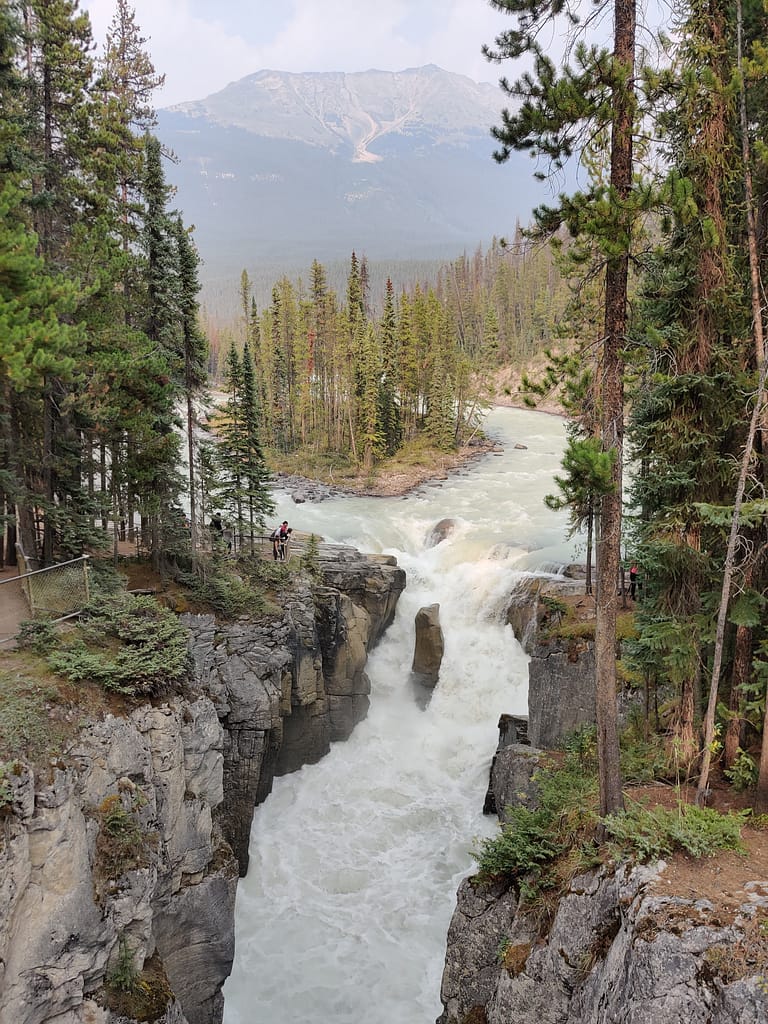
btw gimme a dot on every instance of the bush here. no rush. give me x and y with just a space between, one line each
123 977
310 560
525 843
652 833
38 635
744 771
122 844
227 593
128 644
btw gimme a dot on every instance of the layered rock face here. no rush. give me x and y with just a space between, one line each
126 853
285 691
615 950
118 857
561 672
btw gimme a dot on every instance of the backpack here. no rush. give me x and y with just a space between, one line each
275 535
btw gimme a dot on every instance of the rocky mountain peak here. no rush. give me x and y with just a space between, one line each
352 111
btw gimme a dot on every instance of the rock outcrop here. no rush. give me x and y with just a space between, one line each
616 952
561 671
124 856
615 947
284 691
429 646
117 859
442 529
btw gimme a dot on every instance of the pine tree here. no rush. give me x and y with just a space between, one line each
548 122
389 409
255 476
195 356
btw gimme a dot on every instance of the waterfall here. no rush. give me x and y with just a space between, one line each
355 861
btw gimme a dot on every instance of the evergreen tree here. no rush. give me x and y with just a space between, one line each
255 477
389 409
195 356
548 122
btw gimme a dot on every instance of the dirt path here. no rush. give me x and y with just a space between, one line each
13 606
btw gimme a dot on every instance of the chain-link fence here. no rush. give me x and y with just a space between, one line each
55 591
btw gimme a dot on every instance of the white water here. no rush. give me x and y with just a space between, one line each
355 861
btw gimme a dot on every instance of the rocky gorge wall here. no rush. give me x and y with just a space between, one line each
617 947
127 854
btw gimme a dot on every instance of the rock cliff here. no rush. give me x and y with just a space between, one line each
616 947
119 865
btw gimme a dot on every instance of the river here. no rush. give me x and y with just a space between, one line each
355 861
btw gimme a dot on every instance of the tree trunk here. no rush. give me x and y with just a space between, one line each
191 458
612 422
761 795
684 732
48 474
757 418
742 663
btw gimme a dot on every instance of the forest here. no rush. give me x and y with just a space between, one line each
652 269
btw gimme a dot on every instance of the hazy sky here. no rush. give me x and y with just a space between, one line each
201 45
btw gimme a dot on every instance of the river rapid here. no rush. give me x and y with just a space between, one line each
355 861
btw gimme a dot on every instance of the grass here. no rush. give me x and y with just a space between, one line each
39 711
541 849
334 468
40 715
571 628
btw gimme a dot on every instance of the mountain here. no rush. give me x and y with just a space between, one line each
278 169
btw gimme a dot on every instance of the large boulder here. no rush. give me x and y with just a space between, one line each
430 645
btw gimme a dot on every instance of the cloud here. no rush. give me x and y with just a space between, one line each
200 49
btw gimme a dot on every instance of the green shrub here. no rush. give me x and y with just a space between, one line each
122 844
744 771
124 977
555 608
652 833
225 591
38 635
27 731
128 644
581 746
643 760
525 843
310 560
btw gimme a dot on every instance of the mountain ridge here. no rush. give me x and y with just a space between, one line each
280 168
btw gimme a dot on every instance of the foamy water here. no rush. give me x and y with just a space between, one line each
355 861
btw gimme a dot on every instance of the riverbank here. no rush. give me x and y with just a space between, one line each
393 478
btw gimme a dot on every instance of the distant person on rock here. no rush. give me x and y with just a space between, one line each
217 528
275 538
634 575
285 536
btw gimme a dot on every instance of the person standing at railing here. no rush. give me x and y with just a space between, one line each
275 538
285 536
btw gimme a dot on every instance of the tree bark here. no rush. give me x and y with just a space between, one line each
612 420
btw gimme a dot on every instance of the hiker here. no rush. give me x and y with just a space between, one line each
633 578
217 528
275 538
285 532
284 538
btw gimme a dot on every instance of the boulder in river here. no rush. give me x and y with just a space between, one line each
428 652
440 531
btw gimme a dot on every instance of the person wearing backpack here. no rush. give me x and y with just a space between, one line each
275 538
